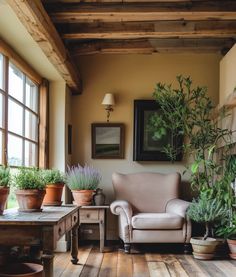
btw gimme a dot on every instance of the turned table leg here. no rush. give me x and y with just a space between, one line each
48 247
48 264
74 245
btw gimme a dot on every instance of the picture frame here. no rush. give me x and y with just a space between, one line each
145 148
107 140
69 133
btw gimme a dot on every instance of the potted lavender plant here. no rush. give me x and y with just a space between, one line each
82 181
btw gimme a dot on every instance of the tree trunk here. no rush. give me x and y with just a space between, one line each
207 231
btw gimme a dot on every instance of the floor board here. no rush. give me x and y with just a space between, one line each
149 263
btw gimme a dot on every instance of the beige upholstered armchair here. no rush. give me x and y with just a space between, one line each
149 209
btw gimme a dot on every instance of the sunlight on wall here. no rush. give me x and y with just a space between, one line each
130 77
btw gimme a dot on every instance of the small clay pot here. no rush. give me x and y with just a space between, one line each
53 194
30 200
232 248
82 197
201 246
4 192
203 256
22 270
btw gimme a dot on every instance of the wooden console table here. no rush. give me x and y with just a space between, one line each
95 214
41 228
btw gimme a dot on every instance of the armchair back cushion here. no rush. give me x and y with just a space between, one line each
146 192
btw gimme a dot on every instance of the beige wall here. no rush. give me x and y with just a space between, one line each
57 100
130 77
227 74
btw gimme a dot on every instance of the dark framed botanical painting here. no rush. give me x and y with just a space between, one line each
107 140
146 148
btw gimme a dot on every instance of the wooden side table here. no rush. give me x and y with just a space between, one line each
97 215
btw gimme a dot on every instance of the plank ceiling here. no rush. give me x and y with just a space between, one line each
90 27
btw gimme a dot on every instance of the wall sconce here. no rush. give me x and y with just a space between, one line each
108 101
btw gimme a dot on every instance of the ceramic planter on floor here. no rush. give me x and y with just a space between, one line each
22 270
82 197
232 248
30 200
204 249
4 192
53 194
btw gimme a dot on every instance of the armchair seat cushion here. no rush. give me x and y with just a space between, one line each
160 221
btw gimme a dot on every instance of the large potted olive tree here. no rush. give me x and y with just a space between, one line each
188 112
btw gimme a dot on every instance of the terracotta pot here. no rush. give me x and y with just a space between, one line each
22 270
4 192
201 247
232 248
203 256
83 197
53 194
30 200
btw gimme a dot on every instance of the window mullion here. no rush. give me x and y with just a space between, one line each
24 100
5 120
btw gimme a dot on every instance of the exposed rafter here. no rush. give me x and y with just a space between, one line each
110 12
164 29
152 46
36 20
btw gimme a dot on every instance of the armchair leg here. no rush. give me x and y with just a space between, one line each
187 248
127 247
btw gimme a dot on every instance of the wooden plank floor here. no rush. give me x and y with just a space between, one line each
148 263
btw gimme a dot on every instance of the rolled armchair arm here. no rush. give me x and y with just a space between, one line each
177 206
120 207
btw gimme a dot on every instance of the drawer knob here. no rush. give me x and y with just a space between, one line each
88 215
75 218
59 231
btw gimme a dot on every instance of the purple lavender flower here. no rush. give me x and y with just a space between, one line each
82 178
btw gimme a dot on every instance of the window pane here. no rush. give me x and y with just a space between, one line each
1 71
15 149
1 109
15 82
30 154
15 118
31 126
1 146
31 98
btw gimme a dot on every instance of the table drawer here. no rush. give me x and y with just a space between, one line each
87 214
60 230
74 219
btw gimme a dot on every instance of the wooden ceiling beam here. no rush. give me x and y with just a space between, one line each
110 12
37 22
164 29
152 46
115 1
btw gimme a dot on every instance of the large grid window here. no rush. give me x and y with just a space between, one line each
19 116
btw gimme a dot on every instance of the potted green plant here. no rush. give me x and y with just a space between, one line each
30 189
82 181
54 180
5 178
208 212
188 112
228 231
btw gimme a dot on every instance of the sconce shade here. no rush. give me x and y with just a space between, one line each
108 99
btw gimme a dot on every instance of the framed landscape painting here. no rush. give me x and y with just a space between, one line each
146 148
107 141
